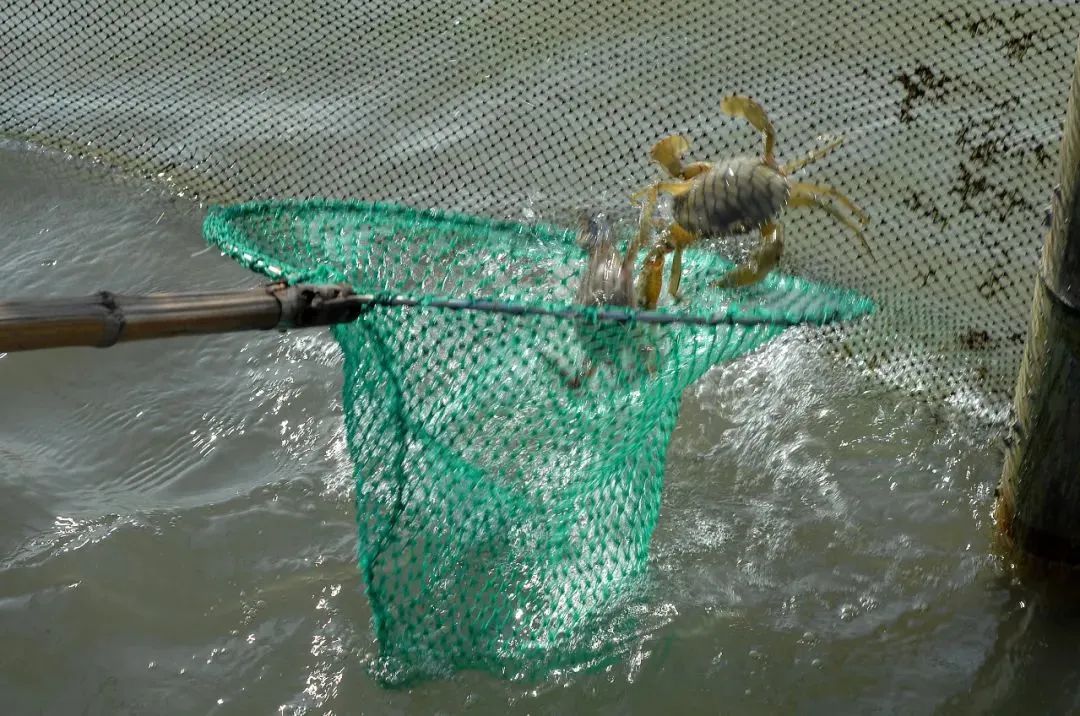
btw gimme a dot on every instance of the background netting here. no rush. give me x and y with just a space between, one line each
505 511
951 110
532 110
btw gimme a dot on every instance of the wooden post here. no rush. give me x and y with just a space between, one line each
1038 505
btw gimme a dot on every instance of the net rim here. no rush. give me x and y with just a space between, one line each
218 232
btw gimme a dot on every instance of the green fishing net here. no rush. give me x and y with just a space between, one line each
506 493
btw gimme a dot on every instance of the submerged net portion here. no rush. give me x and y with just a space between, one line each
528 110
506 493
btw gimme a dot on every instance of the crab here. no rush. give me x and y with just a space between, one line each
730 197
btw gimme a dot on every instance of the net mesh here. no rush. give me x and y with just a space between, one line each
529 111
951 112
506 494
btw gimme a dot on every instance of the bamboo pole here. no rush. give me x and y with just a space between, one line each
1038 502
105 318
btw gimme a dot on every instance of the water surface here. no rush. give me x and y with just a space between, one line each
177 532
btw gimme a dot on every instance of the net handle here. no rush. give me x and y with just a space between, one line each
105 318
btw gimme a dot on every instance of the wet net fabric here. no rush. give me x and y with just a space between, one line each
506 495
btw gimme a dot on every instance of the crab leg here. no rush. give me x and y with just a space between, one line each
652 273
760 263
754 113
679 238
652 276
692 170
810 195
811 157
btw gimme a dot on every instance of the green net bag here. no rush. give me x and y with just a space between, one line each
508 462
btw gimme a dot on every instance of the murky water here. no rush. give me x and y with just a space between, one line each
177 532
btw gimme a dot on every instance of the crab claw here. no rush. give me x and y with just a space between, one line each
651 279
668 153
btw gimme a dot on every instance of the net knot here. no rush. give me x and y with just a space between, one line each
591 315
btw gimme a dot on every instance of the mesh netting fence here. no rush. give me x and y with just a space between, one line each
951 113
529 112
